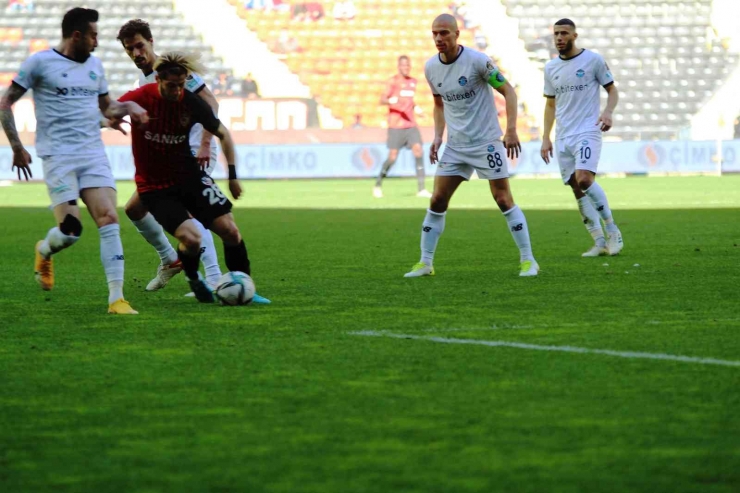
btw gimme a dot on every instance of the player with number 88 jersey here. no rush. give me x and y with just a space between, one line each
168 177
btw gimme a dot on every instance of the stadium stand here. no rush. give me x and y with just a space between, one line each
346 53
24 31
663 54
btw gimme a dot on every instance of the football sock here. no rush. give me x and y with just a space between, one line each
56 241
420 173
111 254
153 233
384 171
591 220
208 254
601 204
431 229
189 262
237 258
520 232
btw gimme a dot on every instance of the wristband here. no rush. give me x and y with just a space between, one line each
232 172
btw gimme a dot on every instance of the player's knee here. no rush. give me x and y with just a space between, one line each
585 182
135 210
439 203
230 234
71 226
504 200
106 218
190 239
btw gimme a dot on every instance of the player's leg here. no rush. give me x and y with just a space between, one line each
101 203
62 185
517 223
387 165
590 152
446 181
153 233
414 141
208 254
590 220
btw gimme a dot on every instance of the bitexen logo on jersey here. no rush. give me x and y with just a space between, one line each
452 96
564 89
76 91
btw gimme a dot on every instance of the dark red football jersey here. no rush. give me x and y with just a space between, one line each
162 153
401 114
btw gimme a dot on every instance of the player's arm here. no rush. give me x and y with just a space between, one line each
117 110
21 157
546 150
227 145
204 152
605 120
511 139
439 127
385 98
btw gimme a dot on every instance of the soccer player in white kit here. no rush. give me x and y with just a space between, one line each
572 83
136 38
463 101
70 92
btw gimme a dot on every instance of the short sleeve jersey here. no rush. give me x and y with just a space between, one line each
162 154
469 107
574 83
65 96
194 83
401 113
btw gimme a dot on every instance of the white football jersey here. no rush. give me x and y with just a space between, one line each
575 84
470 112
65 96
194 83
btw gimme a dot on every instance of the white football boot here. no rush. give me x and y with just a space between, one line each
377 192
595 251
529 268
164 274
615 244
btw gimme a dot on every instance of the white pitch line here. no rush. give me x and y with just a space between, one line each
566 349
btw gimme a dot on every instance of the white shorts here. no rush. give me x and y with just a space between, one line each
214 158
578 152
488 160
65 176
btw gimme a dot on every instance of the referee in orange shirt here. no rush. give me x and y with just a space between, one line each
402 130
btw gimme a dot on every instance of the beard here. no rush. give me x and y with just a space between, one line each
567 48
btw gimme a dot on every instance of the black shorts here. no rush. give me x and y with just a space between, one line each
399 138
199 197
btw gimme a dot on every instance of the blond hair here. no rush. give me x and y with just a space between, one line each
178 62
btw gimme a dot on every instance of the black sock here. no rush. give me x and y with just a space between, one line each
237 258
420 173
189 263
384 172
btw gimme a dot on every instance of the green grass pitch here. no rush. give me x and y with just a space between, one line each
284 398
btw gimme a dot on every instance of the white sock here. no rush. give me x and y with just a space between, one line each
591 220
56 241
601 204
431 230
153 233
111 254
208 254
520 232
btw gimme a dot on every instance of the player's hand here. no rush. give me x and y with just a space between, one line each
511 142
138 114
436 144
235 188
203 156
22 161
115 124
605 120
546 150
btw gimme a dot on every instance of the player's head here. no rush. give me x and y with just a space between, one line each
564 35
445 33
172 70
404 65
80 28
136 38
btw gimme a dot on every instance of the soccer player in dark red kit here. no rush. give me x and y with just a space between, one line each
169 180
402 129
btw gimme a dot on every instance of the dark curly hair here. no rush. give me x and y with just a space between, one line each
134 27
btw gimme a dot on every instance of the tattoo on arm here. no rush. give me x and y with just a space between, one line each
13 94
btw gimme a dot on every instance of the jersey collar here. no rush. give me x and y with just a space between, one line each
459 54
574 56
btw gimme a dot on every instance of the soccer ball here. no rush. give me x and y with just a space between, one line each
235 288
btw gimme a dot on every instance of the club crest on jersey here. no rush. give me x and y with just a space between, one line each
206 180
185 119
491 148
585 143
580 73
93 75
462 80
